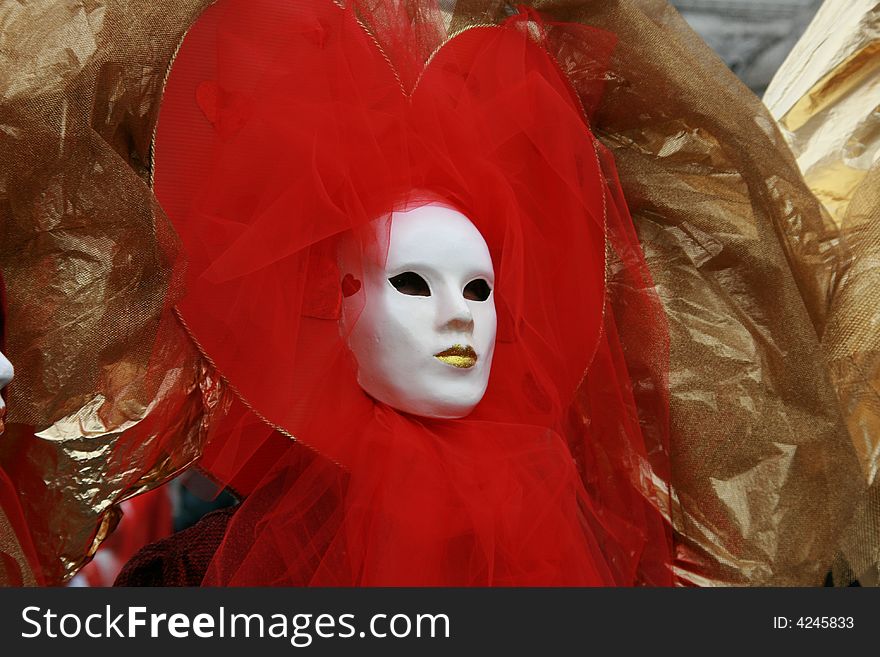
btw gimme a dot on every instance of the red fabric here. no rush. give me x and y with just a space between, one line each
145 519
180 559
286 128
13 568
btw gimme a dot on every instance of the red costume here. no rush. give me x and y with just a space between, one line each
287 127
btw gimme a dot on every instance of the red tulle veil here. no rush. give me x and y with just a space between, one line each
289 126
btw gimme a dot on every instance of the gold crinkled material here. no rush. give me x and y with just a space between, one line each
853 344
111 398
825 97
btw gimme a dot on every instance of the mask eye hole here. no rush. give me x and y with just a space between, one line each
477 290
410 283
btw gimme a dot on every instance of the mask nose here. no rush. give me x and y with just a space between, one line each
454 313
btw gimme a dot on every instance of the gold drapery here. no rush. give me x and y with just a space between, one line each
111 398
825 99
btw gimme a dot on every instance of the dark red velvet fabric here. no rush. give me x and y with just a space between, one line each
181 559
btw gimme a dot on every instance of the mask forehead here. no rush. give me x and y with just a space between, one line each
439 238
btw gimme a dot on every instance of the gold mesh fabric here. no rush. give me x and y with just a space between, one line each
852 342
746 263
14 567
105 377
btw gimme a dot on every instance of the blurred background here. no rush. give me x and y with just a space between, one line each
753 37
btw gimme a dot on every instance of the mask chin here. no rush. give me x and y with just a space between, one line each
422 324
449 403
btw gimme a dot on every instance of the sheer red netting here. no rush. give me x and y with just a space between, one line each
287 127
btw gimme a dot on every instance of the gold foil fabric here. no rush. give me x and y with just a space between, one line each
14 567
111 398
746 263
826 97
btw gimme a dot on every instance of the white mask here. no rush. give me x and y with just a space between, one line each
426 334
6 373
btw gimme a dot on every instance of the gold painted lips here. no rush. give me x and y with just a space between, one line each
458 356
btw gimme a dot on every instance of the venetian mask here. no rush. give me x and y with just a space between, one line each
422 323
